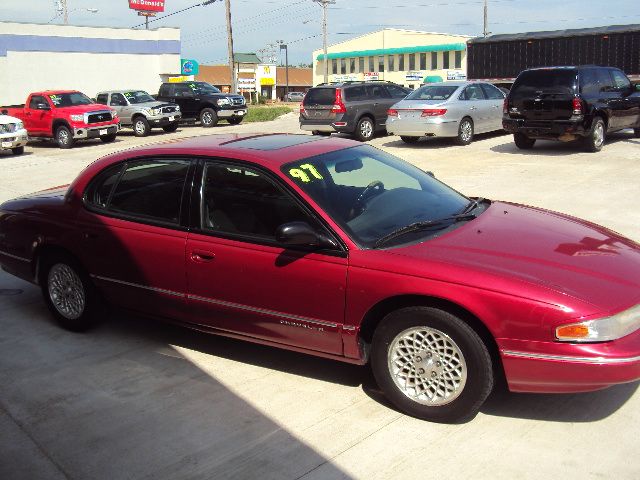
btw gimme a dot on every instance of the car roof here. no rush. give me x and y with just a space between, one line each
123 91
55 92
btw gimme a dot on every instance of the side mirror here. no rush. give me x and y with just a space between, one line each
42 106
430 173
300 234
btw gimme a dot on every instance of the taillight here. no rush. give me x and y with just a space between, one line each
338 106
392 112
301 108
505 106
577 106
433 112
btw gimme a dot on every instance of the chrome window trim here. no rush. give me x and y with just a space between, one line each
137 285
570 358
16 257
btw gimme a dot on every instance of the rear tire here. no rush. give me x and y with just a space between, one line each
431 365
208 118
365 129
409 139
141 127
109 138
69 293
172 127
523 142
594 141
64 137
17 150
465 132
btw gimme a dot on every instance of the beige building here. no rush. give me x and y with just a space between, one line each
406 57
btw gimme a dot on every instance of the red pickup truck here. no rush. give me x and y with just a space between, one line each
65 116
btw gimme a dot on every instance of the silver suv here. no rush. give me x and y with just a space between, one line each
140 111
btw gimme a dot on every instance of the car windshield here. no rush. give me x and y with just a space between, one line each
371 194
202 88
138 96
61 100
432 92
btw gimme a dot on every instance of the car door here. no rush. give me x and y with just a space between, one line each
494 100
39 116
380 101
625 105
475 106
121 105
240 280
132 237
186 98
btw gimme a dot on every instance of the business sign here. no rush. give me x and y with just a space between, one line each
368 76
147 5
456 75
189 67
346 78
413 76
247 84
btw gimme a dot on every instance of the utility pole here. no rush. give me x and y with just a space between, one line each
65 11
324 4
232 67
485 30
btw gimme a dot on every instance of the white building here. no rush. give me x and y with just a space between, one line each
36 57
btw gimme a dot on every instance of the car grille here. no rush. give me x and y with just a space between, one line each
8 139
169 109
99 117
237 101
8 128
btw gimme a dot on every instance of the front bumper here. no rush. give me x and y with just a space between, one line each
549 129
15 139
419 127
81 133
554 367
235 111
163 120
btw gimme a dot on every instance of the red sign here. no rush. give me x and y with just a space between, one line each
147 5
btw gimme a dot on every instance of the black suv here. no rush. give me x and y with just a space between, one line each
358 108
571 103
204 102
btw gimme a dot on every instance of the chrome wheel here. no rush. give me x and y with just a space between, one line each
427 366
63 136
207 118
66 291
366 129
140 128
466 131
598 135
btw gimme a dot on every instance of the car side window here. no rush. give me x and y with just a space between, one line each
147 189
491 92
354 93
243 201
118 100
377 91
35 100
165 90
472 92
182 91
397 92
605 82
103 98
620 80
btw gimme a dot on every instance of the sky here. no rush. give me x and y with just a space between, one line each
257 24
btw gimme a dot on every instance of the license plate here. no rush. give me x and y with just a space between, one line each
171 119
104 131
241 112
6 144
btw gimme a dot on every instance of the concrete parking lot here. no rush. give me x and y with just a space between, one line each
140 399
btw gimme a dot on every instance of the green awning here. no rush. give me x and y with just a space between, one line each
446 47
432 79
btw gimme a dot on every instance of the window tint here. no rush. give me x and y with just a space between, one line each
103 98
561 80
180 90
472 92
35 100
117 99
165 90
243 201
151 189
491 92
620 80
354 93
432 92
377 91
396 92
320 96
100 189
595 80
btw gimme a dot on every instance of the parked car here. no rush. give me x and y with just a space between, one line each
13 135
357 108
340 250
140 111
203 102
294 96
571 103
447 109
65 116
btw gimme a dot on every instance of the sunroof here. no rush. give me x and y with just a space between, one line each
273 142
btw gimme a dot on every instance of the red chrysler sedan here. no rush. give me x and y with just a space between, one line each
337 249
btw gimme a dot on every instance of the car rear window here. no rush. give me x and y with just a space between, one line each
530 82
432 92
320 96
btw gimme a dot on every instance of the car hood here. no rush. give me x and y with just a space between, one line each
511 247
154 104
94 107
8 119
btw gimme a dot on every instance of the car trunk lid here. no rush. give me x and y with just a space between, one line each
318 104
543 94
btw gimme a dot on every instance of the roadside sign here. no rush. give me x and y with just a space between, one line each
147 5
189 67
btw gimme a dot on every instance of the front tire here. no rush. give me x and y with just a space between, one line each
523 142
69 293
636 132
172 127
465 132
595 140
208 118
17 150
234 120
431 365
141 127
365 129
409 139
64 137
109 138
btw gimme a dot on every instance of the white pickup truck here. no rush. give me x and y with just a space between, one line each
13 135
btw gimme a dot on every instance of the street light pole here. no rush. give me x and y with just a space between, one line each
324 4
230 47
65 11
283 46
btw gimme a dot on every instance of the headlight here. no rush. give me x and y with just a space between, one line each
19 126
77 118
177 108
602 329
156 111
223 101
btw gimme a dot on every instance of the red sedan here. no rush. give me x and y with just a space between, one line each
337 249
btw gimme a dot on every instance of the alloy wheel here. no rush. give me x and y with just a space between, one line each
66 291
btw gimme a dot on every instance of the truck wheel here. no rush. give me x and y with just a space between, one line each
365 129
64 137
172 127
322 134
141 127
431 364
18 150
108 138
234 120
636 132
208 117
594 141
523 142
465 132
406 139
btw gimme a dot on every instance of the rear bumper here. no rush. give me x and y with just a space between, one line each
550 130
80 133
14 139
430 127
566 368
337 124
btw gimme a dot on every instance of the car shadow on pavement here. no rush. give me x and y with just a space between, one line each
555 148
436 143
50 144
9 154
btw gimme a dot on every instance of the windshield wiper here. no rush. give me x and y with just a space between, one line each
472 205
414 227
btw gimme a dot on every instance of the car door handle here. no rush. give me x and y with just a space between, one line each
473 108
202 256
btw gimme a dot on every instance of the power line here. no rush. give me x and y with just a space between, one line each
207 2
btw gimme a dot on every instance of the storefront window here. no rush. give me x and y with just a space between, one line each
372 67
401 62
458 59
434 60
334 66
352 65
381 63
343 66
412 61
392 63
445 60
361 64
423 61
